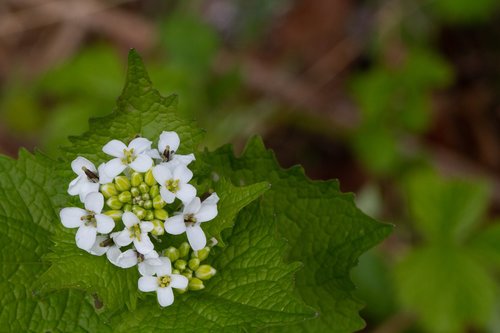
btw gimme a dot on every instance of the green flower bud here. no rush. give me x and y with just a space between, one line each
127 208
148 204
188 274
136 179
122 183
201 254
184 249
172 253
195 284
114 214
194 263
158 202
144 188
181 291
176 271
139 211
148 178
135 192
180 264
145 196
161 214
108 190
205 272
149 216
114 203
125 197
154 191
159 230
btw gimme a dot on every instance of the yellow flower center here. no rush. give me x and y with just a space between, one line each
172 185
135 231
164 281
128 156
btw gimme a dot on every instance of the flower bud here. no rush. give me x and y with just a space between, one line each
135 192
114 203
172 253
139 211
114 214
176 271
188 274
148 178
136 179
127 208
145 196
125 197
108 190
196 284
180 264
149 215
205 272
158 202
122 183
148 204
184 249
181 291
201 254
194 263
161 214
154 191
143 188
158 228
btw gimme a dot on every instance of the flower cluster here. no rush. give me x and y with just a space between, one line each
132 202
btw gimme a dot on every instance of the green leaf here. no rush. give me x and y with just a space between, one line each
323 227
28 192
253 288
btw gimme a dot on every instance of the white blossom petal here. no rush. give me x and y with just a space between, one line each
170 139
86 188
85 237
196 237
147 226
113 254
105 223
114 167
94 202
72 217
165 296
79 163
114 148
142 163
127 259
97 249
153 153
165 268
144 245
148 266
103 177
175 225
206 213
179 281
162 173
166 195
147 283
184 159
130 219
193 206
182 173
139 145
186 193
75 185
213 199
123 238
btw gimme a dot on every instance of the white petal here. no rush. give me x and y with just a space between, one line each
130 219
97 249
162 174
79 163
165 296
147 283
103 177
114 148
193 206
182 173
105 223
147 226
153 153
87 188
72 217
144 245
186 193
127 259
148 267
94 202
196 237
139 145
142 163
179 281
213 199
75 185
113 254
114 167
166 195
123 238
175 225
183 159
170 139
152 255
85 237
165 268
206 213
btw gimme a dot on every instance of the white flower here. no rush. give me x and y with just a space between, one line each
189 221
163 282
100 247
88 178
135 231
149 263
167 146
89 221
174 183
133 156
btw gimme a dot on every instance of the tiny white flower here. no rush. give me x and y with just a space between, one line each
167 147
148 263
88 178
174 183
100 246
135 231
89 221
194 213
163 282
133 156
